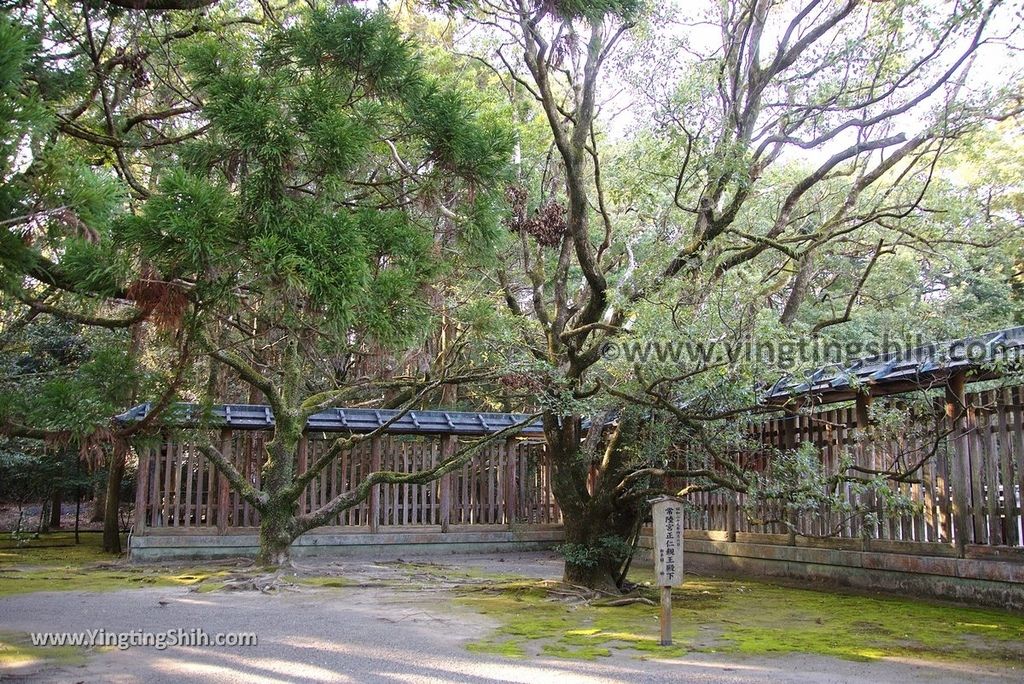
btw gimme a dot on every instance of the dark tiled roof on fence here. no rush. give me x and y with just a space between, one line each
358 420
926 366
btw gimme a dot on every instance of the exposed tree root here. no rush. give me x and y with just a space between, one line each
624 601
264 583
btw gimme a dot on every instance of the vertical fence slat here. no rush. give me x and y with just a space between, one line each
187 513
141 491
974 474
375 492
241 506
421 490
1018 460
494 482
166 494
991 484
201 490
511 452
464 505
222 483
448 447
153 502
1006 479
321 480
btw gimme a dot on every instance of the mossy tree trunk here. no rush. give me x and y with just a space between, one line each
112 500
277 532
278 516
598 520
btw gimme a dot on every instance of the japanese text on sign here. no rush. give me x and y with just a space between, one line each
668 541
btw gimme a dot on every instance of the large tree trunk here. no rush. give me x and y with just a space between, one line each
278 518
112 501
597 524
55 508
586 564
276 534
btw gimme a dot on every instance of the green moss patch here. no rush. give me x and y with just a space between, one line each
100 579
53 562
509 649
329 582
719 615
56 548
17 652
763 618
533 624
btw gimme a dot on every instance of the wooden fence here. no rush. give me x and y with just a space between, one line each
504 483
968 492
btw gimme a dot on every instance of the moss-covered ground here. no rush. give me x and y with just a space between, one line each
534 623
17 651
53 562
749 617
541 618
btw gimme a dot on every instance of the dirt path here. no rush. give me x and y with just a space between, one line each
389 629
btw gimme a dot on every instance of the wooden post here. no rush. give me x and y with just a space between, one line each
666 616
56 503
375 492
141 491
730 516
511 481
187 512
222 484
303 464
448 445
667 513
864 410
153 498
956 409
179 464
1010 527
166 493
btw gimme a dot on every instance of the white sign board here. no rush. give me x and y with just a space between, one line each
667 513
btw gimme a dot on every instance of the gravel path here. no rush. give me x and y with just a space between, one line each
378 634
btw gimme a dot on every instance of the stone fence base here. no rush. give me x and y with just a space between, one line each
345 542
986 576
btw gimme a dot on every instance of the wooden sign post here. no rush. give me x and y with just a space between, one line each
667 512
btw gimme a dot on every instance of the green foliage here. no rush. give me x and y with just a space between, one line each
607 549
64 379
188 227
27 476
19 111
598 9
274 198
795 480
592 10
